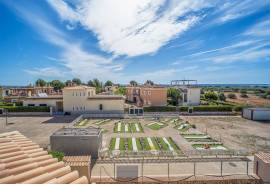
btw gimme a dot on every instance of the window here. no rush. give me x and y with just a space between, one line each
31 105
73 108
185 97
88 93
43 105
100 107
73 94
76 94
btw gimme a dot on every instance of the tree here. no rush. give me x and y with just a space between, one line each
149 82
121 91
57 84
243 93
232 96
41 82
68 82
175 95
210 95
133 83
108 83
221 97
77 81
95 83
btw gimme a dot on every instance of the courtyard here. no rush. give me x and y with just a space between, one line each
184 134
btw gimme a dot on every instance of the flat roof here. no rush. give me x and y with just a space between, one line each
265 157
79 87
77 132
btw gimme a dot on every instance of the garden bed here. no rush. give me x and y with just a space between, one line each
151 144
121 127
198 138
157 125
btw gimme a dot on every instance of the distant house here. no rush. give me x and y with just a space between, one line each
110 89
147 95
83 99
190 91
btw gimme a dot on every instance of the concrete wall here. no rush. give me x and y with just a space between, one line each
261 115
77 145
257 115
246 113
261 169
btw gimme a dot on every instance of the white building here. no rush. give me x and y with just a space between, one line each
257 114
190 91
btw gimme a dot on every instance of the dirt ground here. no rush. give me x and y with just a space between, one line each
235 132
251 100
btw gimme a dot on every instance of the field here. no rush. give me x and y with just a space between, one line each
252 100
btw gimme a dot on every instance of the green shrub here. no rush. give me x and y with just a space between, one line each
238 108
26 109
212 108
211 96
183 109
232 96
57 154
160 109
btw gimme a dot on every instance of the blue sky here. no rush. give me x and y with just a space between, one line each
226 41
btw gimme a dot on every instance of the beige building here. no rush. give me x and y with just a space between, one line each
147 95
54 101
111 89
83 99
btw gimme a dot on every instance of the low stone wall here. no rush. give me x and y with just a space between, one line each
26 114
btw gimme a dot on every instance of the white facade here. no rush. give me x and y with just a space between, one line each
257 114
191 96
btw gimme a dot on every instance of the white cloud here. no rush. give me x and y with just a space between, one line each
260 29
132 28
46 72
72 57
231 10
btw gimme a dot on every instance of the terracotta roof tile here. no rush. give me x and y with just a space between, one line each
77 160
23 161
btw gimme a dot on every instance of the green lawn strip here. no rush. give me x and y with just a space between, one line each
193 134
82 123
102 122
155 143
138 143
122 127
122 144
164 146
156 126
140 126
173 144
133 128
115 127
129 141
104 130
145 144
129 128
209 139
112 144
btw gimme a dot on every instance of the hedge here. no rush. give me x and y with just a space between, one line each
212 108
160 109
183 109
26 108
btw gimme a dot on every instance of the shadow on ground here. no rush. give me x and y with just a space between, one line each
61 119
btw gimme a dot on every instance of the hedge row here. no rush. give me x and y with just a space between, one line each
220 108
212 108
160 109
26 109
